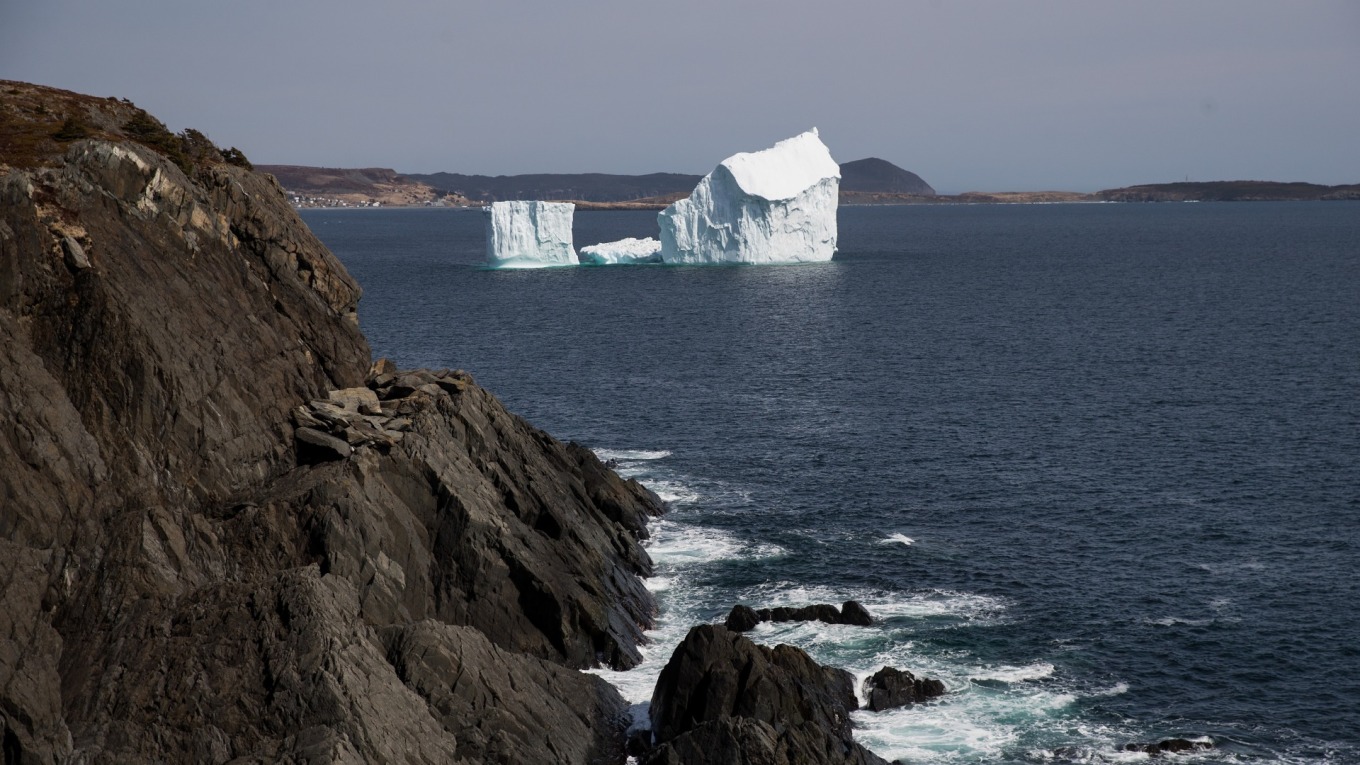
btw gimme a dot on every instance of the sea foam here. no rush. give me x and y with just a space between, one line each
631 455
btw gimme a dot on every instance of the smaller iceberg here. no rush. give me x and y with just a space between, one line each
529 234
771 206
623 252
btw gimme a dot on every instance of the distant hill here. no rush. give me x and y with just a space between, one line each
880 176
1228 191
593 187
862 175
864 181
326 186
331 179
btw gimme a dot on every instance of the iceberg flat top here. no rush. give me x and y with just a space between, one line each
784 170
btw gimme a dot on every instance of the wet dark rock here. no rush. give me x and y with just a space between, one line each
1173 745
742 618
854 613
891 687
722 698
745 741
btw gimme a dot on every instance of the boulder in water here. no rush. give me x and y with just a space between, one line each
723 699
891 687
1174 745
743 618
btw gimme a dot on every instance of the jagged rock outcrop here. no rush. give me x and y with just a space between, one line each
891 687
1172 745
743 618
723 699
183 576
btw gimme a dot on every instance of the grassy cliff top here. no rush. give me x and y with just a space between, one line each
37 124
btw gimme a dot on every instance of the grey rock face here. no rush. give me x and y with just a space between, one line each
315 446
722 698
744 741
470 687
176 585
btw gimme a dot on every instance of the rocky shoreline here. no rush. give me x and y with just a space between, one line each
227 536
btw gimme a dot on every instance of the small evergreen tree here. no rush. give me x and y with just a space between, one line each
71 130
235 156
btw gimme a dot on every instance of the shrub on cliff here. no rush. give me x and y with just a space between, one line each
152 133
189 149
73 129
235 156
198 148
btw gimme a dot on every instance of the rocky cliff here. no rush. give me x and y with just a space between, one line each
224 535
227 537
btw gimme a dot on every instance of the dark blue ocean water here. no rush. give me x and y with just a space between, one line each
1097 467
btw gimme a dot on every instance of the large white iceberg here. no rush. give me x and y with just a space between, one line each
623 252
771 206
529 234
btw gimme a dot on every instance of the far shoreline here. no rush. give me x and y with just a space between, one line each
943 201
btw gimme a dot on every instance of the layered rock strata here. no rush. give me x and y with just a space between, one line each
224 536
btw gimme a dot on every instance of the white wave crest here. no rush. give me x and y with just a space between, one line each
679 544
671 491
1172 621
902 539
630 455
1115 690
882 604
1004 674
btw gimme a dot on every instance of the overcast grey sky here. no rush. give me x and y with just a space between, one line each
972 95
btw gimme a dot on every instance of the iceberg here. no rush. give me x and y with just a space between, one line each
772 206
623 252
529 234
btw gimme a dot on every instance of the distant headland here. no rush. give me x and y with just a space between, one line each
862 181
869 181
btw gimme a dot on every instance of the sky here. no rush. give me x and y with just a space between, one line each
971 95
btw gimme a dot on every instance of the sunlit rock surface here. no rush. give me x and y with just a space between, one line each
771 206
